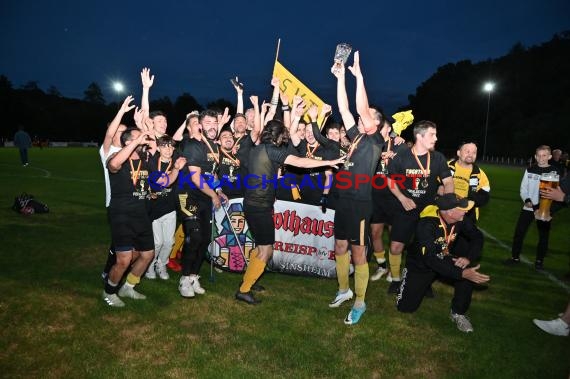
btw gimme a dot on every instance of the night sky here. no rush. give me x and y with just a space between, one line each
196 46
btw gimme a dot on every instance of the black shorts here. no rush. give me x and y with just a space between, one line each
131 230
382 208
352 220
260 222
404 225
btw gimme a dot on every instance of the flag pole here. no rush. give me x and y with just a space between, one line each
277 52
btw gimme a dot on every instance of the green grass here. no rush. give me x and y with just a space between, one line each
54 323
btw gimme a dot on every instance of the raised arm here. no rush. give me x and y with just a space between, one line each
341 96
274 99
298 112
285 108
322 140
239 94
147 82
178 135
116 161
114 125
256 131
362 106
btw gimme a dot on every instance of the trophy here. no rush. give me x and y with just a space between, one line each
547 180
341 56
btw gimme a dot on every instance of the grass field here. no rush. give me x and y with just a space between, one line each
55 325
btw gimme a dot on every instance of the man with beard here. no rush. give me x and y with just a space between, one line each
131 227
469 181
196 197
229 166
264 162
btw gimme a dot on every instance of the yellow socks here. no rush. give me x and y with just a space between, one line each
380 256
133 280
342 271
254 270
361 273
395 263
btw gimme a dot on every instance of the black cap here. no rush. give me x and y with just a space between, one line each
451 200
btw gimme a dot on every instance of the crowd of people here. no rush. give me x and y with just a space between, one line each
428 207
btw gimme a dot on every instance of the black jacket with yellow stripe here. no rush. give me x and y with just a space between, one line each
476 192
428 251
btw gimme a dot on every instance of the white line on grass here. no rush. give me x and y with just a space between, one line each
554 279
47 175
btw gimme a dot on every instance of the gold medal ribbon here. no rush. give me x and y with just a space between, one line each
425 172
135 174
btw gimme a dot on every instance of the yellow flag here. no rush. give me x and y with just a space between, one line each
292 86
403 120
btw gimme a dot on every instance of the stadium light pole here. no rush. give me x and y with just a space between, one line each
488 87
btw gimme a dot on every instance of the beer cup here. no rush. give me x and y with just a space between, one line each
547 180
341 55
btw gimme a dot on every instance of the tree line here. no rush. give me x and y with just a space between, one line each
530 104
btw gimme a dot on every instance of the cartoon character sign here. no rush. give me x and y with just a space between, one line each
225 249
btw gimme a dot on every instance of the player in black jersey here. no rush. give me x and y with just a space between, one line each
429 255
197 194
131 228
414 177
381 196
260 190
354 206
164 169
314 183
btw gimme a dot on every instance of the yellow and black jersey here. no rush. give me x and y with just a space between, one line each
433 240
470 183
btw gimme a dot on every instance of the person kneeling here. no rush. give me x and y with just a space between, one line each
429 255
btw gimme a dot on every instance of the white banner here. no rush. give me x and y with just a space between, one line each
304 239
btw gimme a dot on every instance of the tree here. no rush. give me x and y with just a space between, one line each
53 91
186 103
93 94
32 85
5 84
220 104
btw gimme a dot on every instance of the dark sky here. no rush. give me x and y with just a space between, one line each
196 46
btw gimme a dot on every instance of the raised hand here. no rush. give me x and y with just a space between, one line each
254 101
224 118
355 68
275 81
138 117
326 109
237 85
126 104
338 70
146 79
313 112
